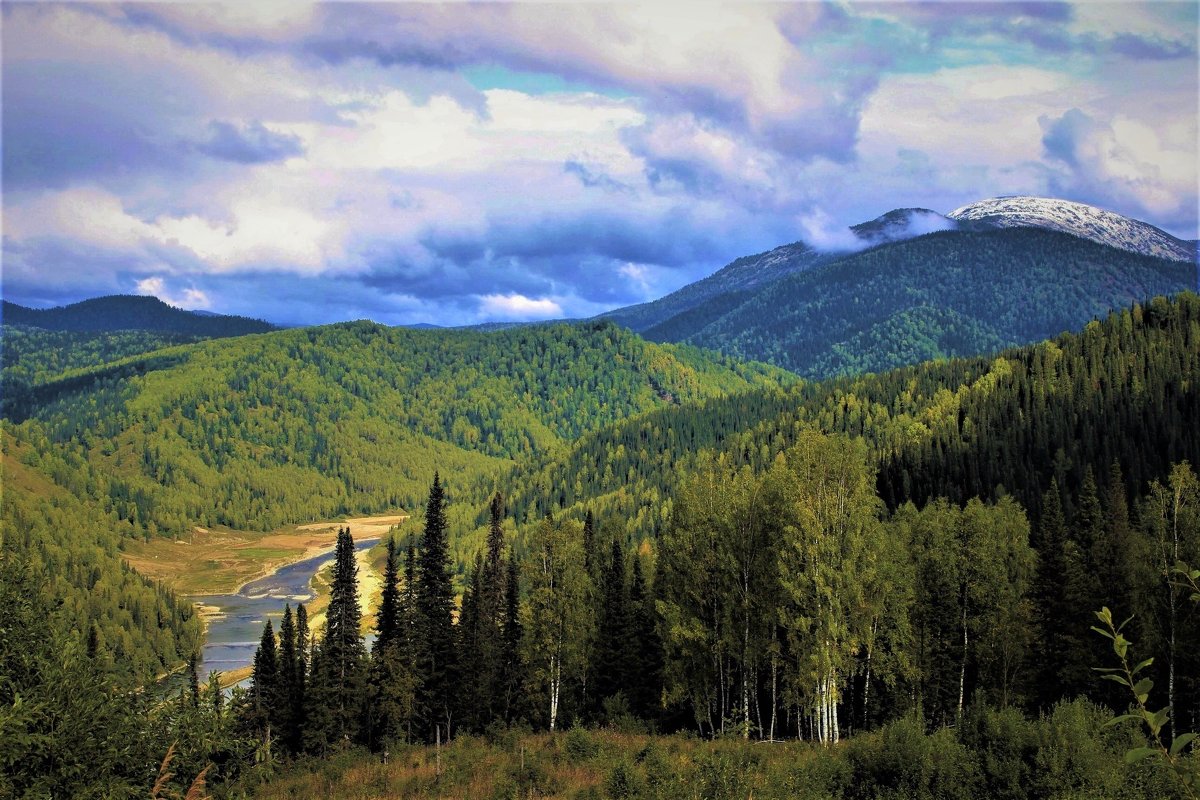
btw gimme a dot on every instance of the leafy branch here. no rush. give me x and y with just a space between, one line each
1173 756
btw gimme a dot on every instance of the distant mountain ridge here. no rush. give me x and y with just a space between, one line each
734 283
920 285
1077 219
131 312
750 272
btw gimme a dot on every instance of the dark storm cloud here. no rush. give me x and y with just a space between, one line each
248 144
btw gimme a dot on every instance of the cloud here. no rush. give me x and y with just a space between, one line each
1123 160
190 298
314 162
518 307
248 144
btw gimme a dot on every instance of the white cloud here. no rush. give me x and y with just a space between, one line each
518 307
190 297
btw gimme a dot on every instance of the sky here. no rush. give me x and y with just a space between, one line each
454 164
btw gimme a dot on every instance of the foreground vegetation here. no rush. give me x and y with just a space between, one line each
904 564
1067 754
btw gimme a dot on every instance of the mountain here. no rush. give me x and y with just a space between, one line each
1125 388
1077 219
737 279
131 312
914 285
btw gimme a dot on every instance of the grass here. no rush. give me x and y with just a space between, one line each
576 764
221 560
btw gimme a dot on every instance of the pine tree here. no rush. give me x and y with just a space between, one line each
264 681
391 681
612 670
300 687
646 681
1049 593
343 654
435 608
285 701
512 669
387 618
1082 648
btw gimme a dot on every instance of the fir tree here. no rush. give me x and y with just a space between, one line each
435 609
1049 591
343 654
194 678
646 681
264 682
512 669
387 618
285 700
612 667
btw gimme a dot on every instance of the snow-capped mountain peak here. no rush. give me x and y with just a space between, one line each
1077 219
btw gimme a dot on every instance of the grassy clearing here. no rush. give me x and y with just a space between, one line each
221 560
1068 754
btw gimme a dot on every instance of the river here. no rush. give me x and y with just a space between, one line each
235 629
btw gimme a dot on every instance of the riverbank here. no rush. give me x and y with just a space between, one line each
223 561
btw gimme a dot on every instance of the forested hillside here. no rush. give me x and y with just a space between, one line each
131 312
955 293
1124 388
33 356
299 425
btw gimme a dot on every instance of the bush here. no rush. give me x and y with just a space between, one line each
580 745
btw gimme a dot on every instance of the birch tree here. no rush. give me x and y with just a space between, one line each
558 617
832 513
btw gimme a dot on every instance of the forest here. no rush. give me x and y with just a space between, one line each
891 580
953 293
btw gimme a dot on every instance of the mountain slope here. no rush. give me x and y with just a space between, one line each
1126 388
260 431
1077 219
131 312
1001 287
751 272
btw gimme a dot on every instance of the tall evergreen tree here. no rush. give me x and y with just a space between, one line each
646 680
285 700
264 683
343 654
611 663
387 618
1049 593
512 669
1082 650
435 609
391 681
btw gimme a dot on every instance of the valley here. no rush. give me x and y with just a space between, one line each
569 527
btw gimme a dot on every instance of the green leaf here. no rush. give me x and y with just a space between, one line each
1122 718
1142 689
1181 741
1116 678
1143 665
1102 632
1138 753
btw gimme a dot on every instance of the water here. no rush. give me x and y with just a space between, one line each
235 631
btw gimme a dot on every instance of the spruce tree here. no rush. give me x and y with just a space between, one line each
343 654
512 669
646 680
435 609
611 667
285 701
300 687
1082 589
264 681
1049 593
387 618
391 679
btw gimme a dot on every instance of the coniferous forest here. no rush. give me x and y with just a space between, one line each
891 581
